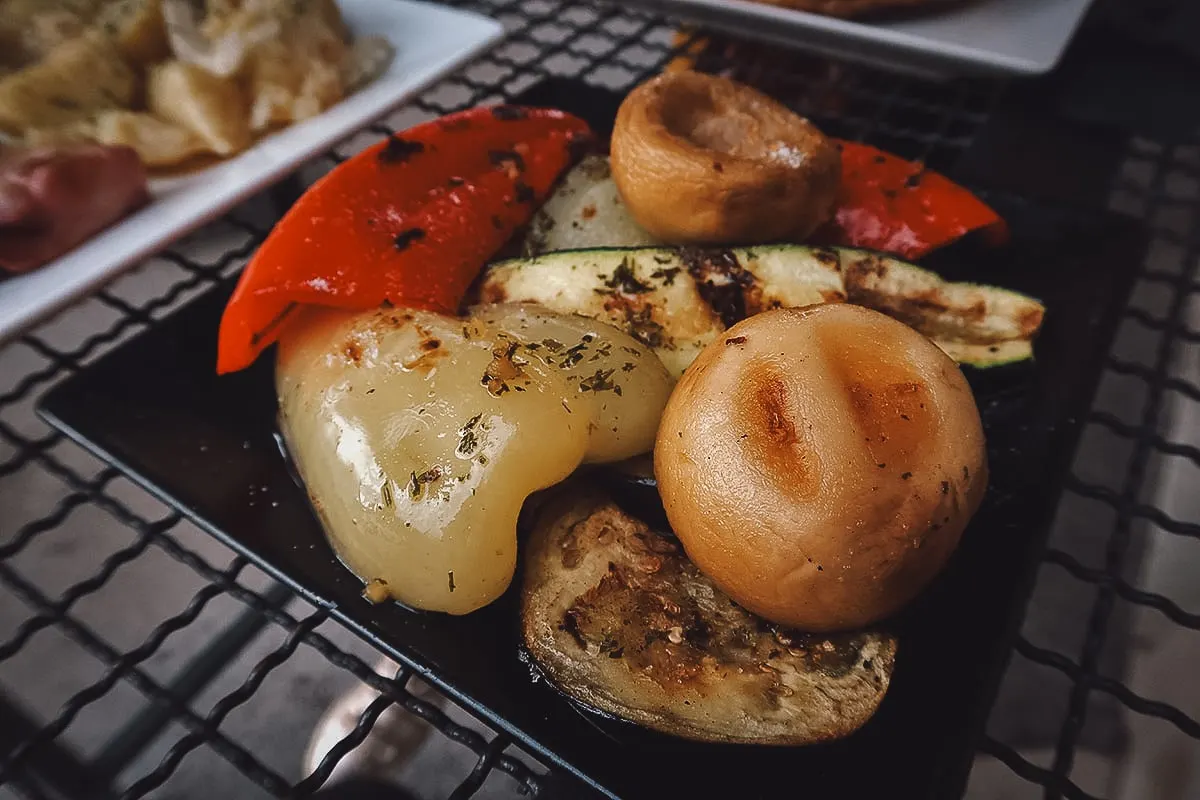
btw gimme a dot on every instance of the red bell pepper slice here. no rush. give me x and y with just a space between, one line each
898 206
409 221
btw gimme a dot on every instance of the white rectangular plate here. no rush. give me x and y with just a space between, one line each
974 37
430 41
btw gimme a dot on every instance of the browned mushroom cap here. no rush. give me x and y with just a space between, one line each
820 464
698 158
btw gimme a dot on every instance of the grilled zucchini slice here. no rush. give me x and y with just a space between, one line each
982 326
585 212
966 313
677 300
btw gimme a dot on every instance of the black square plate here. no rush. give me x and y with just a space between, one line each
155 408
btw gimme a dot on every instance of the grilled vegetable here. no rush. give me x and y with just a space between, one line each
898 206
618 617
54 92
701 159
885 203
820 464
419 435
678 300
954 313
675 301
409 221
585 212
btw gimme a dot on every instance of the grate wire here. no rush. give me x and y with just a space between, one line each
612 47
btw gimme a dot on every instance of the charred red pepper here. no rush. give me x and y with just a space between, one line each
409 221
900 207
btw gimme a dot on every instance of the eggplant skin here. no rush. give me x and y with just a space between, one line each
619 619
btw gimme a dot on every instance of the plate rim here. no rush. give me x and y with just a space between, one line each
908 51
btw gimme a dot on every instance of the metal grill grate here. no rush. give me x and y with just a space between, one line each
1154 364
258 629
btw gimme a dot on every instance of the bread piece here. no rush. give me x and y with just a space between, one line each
619 619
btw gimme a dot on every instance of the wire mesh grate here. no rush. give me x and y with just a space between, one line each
1159 387
604 46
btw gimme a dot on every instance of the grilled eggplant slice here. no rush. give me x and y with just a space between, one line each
677 300
619 619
